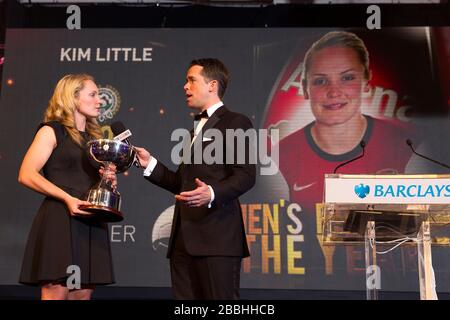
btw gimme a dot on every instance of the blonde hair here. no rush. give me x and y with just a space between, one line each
63 104
338 39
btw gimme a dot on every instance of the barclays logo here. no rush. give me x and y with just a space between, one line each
362 190
412 191
404 191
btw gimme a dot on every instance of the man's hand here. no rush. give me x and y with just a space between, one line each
144 156
198 197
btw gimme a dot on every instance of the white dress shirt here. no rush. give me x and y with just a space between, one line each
198 125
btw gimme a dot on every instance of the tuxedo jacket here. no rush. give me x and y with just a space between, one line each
218 230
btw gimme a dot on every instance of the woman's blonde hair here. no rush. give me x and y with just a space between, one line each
338 39
63 104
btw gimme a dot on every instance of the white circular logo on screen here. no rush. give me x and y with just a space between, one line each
161 228
111 102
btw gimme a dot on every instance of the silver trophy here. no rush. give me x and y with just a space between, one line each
105 200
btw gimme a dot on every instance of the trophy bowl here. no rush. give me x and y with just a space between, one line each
105 200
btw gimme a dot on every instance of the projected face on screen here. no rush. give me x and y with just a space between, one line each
324 107
334 84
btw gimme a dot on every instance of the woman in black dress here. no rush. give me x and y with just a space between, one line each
63 246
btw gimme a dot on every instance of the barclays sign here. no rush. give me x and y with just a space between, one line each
412 191
394 189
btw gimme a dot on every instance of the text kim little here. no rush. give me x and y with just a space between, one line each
106 54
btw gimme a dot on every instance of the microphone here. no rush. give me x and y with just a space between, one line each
122 134
362 144
410 144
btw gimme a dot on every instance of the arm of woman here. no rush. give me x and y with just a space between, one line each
37 155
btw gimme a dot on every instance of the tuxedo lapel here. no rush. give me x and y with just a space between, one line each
212 121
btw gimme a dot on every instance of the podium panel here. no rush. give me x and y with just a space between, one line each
346 223
348 206
390 210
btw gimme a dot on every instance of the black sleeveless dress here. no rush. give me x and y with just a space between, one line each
57 240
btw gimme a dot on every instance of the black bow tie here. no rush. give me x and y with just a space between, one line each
204 114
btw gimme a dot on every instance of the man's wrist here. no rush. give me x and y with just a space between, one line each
150 167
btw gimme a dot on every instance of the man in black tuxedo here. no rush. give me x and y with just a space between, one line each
207 241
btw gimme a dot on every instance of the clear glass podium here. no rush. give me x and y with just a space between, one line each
387 209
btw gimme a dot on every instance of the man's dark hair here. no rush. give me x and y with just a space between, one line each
213 69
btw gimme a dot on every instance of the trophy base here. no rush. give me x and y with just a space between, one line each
102 213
